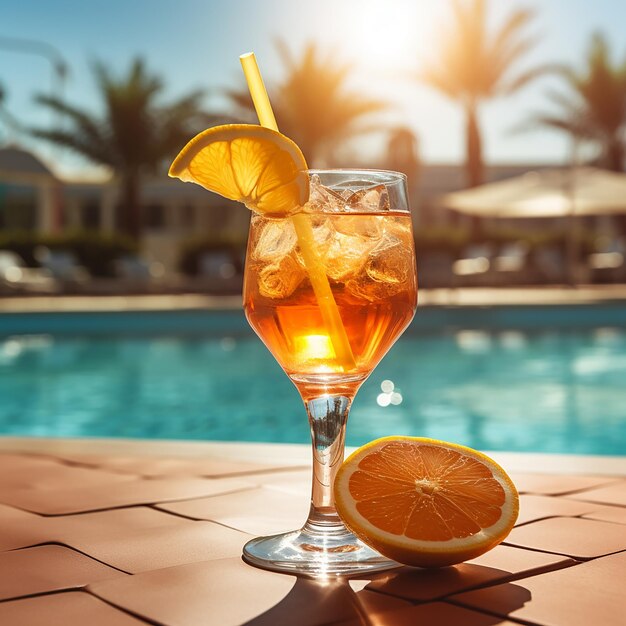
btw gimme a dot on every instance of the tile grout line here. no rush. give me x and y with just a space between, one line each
122 609
130 506
115 470
615 504
517 620
611 480
577 516
537 571
199 519
72 548
41 593
579 559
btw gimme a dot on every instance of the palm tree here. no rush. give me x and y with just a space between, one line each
313 105
137 133
12 125
594 110
474 65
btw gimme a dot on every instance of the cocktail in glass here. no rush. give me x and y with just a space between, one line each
329 331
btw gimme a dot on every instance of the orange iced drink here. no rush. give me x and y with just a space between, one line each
368 258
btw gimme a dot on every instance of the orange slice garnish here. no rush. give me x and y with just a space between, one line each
425 502
251 164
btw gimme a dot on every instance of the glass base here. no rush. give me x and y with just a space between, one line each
308 552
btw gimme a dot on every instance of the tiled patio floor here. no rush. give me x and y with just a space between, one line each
110 534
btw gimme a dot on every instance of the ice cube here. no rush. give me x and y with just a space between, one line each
346 255
400 228
371 199
323 231
367 226
355 185
390 261
346 194
322 198
277 239
323 234
387 271
280 279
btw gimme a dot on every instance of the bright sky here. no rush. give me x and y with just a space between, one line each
196 43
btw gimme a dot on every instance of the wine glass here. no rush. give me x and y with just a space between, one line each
329 289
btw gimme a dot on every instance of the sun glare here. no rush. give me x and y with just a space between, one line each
389 36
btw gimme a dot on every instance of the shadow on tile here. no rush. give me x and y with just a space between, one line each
338 603
424 585
327 602
502 599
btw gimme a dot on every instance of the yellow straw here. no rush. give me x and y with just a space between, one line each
304 230
257 90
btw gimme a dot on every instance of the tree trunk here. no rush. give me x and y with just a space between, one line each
615 155
474 156
474 161
131 209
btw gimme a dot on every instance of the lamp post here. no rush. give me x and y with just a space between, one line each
59 66
49 207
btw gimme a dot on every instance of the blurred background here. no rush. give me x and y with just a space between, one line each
528 98
509 119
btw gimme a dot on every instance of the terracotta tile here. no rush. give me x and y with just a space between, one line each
295 482
616 514
589 593
115 520
21 467
23 462
376 605
69 529
48 568
501 563
25 534
228 592
165 546
103 461
556 484
432 614
16 528
533 508
207 467
611 494
10 515
73 608
163 466
256 511
174 467
47 475
127 493
575 537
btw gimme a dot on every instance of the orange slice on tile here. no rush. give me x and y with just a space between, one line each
251 164
425 502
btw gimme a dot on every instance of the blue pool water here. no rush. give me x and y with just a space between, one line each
526 390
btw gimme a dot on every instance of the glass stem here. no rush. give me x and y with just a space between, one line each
328 416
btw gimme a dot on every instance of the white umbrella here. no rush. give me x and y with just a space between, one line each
547 193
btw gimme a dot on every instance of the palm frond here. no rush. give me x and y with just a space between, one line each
313 104
98 152
439 77
521 80
597 99
83 122
474 63
512 28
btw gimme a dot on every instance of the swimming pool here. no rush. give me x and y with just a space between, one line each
132 375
